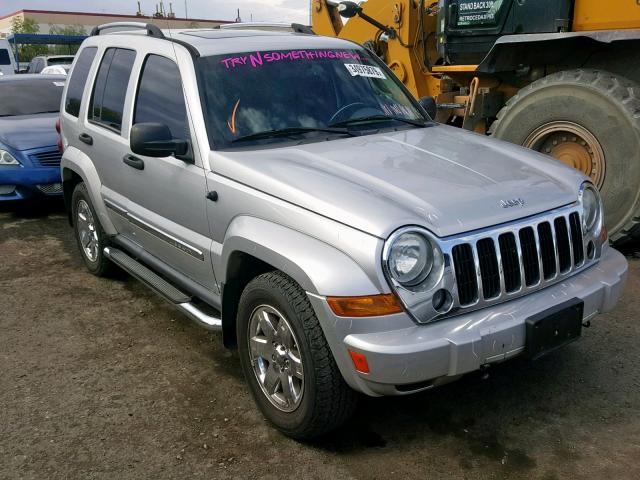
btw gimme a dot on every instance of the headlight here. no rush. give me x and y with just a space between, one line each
411 258
591 209
7 159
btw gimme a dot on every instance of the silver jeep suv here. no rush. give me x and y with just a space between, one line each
285 189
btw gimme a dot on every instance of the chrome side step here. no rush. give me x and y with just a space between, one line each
209 322
159 285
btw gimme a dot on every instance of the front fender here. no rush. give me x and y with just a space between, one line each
74 160
318 267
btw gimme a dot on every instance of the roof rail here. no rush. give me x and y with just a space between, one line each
152 30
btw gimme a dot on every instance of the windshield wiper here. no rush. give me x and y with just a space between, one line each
374 118
283 132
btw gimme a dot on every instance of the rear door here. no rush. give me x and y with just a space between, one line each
100 132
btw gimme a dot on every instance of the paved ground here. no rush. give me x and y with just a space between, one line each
100 379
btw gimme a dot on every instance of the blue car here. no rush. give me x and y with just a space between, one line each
29 153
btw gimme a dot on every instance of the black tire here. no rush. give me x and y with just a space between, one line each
327 402
101 266
606 105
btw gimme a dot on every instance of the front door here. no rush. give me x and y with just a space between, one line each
166 197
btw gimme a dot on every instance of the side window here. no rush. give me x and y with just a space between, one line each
160 98
110 89
4 57
78 80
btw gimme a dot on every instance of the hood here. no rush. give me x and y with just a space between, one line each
25 132
441 178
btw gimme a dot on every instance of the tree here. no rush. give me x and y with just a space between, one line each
71 30
27 25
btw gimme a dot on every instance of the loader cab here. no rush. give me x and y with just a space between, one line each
467 29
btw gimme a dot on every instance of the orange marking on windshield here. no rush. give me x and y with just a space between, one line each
232 124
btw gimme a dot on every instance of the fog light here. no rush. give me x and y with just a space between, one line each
442 301
7 189
591 250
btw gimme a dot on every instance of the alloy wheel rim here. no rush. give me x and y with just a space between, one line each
87 233
275 358
573 145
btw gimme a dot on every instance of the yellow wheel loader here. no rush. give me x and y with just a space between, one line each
559 76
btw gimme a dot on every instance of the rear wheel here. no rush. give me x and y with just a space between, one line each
90 237
286 360
589 120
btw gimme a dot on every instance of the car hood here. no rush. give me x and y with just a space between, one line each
25 132
442 178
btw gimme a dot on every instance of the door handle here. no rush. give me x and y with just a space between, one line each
86 138
133 162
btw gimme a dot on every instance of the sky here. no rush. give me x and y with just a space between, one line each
288 11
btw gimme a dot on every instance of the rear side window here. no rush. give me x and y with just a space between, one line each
160 98
78 80
4 57
110 90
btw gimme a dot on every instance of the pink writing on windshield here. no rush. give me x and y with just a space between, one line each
258 58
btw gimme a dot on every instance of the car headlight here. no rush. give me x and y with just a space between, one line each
7 159
591 209
411 257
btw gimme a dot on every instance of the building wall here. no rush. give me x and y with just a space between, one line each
89 20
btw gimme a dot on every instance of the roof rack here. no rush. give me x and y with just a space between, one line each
152 30
295 27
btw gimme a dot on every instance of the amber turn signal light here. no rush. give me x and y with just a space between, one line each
370 306
359 361
604 235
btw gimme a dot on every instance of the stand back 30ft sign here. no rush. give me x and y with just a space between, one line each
476 12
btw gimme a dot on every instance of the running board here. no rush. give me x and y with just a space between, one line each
159 285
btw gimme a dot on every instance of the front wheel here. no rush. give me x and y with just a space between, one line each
286 360
587 119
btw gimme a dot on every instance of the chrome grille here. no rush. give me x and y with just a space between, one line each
47 158
493 265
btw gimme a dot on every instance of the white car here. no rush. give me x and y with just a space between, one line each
56 70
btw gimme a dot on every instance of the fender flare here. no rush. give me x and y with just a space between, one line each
318 267
510 51
74 160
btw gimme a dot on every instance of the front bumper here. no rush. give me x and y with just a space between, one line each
405 357
21 183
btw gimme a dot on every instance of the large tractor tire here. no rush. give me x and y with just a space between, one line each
590 120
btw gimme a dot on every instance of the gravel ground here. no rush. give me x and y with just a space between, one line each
101 379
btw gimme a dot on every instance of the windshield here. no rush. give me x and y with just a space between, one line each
28 97
310 95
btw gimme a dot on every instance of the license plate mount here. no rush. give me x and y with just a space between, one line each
554 328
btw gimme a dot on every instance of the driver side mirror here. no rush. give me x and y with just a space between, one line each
155 140
429 104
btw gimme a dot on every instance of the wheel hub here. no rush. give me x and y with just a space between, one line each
87 233
573 145
275 358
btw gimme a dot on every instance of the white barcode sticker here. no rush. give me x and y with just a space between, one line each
357 70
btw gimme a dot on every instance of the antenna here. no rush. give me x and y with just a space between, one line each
139 12
186 11
238 19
